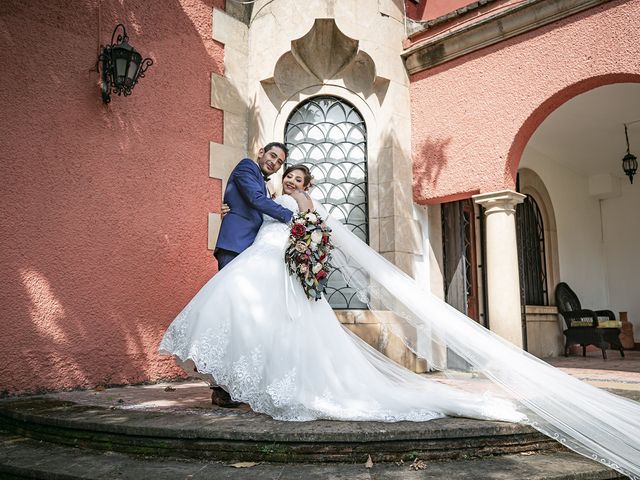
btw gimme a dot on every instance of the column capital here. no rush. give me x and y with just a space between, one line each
502 201
503 285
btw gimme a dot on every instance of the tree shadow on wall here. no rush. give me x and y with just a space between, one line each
106 206
434 159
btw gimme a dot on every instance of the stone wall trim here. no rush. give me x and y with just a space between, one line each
222 159
227 94
501 26
213 228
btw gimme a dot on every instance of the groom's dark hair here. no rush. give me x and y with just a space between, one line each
281 146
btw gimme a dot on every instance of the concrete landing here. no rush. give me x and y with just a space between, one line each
22 458
224 434
170 430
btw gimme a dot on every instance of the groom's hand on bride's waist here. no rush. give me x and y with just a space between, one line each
224 210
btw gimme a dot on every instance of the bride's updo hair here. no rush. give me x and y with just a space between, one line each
306 173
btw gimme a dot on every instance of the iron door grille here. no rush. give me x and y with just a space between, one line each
531 252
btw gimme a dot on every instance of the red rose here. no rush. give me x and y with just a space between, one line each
321 274
298 230
325 238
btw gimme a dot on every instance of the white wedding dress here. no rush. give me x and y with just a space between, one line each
252 330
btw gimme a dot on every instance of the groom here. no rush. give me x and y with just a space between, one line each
248 198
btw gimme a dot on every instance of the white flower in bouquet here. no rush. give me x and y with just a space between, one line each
316 236
301 247
311 217
316 268
303 268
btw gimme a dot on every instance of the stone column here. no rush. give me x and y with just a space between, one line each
503 281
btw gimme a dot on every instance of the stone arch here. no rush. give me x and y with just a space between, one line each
324 55
540 113
304 94
347 64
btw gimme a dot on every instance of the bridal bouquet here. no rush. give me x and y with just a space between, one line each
308 253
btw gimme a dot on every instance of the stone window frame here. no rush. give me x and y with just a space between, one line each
349 295
279 126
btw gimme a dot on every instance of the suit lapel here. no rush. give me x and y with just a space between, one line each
261 177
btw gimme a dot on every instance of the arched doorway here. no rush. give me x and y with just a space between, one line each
577 152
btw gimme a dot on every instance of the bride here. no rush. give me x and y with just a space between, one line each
253 331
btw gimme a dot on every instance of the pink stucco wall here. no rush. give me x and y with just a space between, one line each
434 9
430 9
103 209
472 117
461 18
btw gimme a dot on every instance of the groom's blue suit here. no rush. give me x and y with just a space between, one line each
248 198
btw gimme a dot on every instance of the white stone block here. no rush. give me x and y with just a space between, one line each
236 69
230 31
226 96
400 235
223 159
374 234
213 228
235 130
392 8
394 164
604 186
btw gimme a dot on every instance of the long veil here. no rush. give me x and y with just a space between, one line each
588 420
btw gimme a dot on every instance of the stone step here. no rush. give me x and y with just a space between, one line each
22 458
228 436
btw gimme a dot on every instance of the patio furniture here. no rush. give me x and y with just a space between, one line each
586 327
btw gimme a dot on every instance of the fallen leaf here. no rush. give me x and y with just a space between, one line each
369 463
243 464
400 463
527 453
418 465
169 389
100 388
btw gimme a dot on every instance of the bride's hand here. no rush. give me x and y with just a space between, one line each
303 199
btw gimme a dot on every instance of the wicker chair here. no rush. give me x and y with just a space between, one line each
584 326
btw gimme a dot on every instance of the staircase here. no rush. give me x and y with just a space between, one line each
43 437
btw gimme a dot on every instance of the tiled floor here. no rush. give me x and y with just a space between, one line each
625 371
622 375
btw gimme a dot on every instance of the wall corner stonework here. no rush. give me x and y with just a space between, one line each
229 94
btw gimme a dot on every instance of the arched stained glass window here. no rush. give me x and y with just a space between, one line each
329 136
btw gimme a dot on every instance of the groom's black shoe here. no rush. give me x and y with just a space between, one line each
221 398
